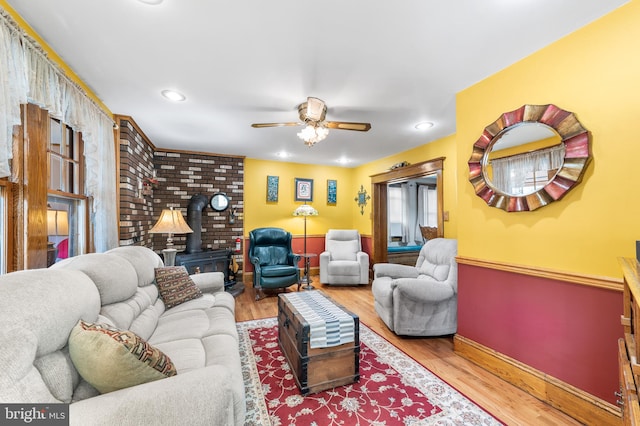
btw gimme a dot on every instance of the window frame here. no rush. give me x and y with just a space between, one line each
71 177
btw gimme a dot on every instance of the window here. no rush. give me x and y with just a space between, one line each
66 204
65 159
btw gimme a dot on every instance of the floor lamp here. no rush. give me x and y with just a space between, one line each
171 222
306 210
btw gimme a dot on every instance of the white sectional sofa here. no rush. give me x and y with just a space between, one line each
39 308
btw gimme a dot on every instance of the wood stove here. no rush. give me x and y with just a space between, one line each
196 260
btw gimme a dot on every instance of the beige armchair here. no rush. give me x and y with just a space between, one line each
420 300
343 261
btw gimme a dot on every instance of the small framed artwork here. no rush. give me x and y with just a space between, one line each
272 189
304 189
332 191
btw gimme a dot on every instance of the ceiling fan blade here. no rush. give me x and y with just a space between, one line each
260 125
344 125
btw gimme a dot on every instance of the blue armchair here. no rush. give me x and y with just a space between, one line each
274 263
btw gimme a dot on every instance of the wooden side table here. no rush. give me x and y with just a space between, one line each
304 281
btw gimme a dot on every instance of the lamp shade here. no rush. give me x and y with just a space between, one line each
57 222
171 222
305 210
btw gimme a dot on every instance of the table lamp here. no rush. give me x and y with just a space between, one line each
57 226
171 222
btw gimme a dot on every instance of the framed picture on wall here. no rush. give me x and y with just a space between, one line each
304 189
272 189
332 191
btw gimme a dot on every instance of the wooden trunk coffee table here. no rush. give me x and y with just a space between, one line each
320 340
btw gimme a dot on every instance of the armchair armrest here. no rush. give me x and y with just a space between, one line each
363 258
324 257
209 282
181 399
394 270
423 290
293 259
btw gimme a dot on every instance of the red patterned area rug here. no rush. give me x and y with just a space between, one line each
393 388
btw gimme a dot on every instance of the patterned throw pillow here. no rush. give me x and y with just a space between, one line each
176 286
110 359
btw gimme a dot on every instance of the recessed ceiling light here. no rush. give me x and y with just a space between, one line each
282 154
173 95
424 125
151 1
343 160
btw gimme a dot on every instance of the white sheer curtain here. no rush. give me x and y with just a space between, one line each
427 206
406 213
510 173
27 75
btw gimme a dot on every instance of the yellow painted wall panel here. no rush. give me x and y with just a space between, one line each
593 72
259 213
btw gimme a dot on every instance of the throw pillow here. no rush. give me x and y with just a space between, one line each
110 359
176 286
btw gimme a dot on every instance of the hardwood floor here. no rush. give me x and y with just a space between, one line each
503 400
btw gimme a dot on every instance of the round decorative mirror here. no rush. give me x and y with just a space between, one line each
529 158
219 202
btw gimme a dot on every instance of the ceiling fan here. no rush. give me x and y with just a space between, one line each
312 113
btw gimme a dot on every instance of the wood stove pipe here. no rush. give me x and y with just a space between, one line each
194 219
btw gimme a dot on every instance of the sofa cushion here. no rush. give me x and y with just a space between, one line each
105 269
110 359
175 285
142 259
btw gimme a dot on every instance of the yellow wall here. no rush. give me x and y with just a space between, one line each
595 73
259 213
345 213
444 147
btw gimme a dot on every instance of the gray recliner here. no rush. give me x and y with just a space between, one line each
343 262
420 300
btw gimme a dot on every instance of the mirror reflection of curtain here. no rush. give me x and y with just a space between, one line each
394 212
406 212
526 173
427 206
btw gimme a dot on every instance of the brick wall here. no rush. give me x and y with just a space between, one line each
136 210
182 175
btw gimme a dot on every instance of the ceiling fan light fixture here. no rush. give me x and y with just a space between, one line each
312 134
424 125
316 109
172 95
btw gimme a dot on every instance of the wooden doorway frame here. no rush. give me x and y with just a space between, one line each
379 184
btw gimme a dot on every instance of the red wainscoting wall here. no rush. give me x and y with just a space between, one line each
568 331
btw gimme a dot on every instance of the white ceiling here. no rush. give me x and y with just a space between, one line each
392 64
